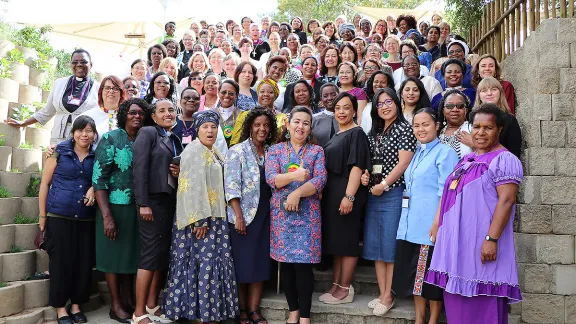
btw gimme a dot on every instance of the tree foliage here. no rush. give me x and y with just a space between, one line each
325 10
463 14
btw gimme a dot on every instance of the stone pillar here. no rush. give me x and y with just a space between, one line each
543 72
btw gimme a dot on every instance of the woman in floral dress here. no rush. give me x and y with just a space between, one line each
296 172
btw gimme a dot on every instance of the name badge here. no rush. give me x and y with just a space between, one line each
74 101
377 169
186 139
405 199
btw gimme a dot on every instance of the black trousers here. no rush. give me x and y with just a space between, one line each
298 283
70 246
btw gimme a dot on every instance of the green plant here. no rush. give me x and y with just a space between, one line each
5 193
2 139
14 170
33 188
34 38
23 112
463 14
21 219
15 56
15 249
5 72
26 146
3 285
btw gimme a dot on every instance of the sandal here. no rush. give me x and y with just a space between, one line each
136 320
157 318
381 309
244 319
261 320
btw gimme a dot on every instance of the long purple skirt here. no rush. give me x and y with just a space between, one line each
475 310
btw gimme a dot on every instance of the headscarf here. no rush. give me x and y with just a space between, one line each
270 82
205 116
200 184
414 31
345 26
462 44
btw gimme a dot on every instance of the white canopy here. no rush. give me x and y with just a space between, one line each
423 12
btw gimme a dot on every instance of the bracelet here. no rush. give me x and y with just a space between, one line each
40 216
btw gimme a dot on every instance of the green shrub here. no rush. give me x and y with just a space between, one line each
2 139
26 146
14 170
35 38
3 285
23 112
21 219
15 249
33 188
5 193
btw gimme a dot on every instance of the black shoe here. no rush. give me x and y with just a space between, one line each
118 319
78 317
65 320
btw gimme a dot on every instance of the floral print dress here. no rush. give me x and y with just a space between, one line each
295 237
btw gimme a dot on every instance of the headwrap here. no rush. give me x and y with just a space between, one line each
270 82
414 31
345 26
462 44
205 116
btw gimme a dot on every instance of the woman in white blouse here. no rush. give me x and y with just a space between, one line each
456 130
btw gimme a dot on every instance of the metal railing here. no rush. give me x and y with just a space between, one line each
505 24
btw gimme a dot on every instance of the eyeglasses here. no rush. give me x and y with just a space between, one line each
128 87
346 73
157 53
187 39
370 68
410 65
196 79
136 113
162 83
459 106
407 53
458 51
387 103
230 93
373 50
112 89
189 98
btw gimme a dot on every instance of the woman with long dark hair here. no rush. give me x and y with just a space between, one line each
413 96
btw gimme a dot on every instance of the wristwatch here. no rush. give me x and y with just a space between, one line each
351 198
491 239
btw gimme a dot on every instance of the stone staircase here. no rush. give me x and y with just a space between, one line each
23 301
275 308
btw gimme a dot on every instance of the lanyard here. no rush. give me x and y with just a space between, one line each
71 96
300 155
171 140
419 158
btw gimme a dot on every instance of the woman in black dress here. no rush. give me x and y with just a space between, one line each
347 157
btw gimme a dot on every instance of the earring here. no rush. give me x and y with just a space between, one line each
269 135
308 137
287 135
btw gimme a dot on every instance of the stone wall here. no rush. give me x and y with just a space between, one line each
543 72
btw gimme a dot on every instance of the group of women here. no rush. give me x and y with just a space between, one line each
191 179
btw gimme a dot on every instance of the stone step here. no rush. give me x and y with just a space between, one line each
28 316
364 282
17 266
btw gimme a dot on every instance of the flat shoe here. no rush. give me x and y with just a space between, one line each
78 317
118 319
373 303
323 297
381 309
65 320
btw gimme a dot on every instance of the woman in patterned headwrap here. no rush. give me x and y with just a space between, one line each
201 281
268 92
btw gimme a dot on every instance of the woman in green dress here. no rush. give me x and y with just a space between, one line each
117 234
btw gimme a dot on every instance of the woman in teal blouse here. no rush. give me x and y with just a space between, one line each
117 235
425 178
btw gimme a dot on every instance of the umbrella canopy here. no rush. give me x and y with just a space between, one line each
423 12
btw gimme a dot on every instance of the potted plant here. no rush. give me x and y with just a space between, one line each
9 89
9 205
18 263
29 205
26 158
12 296
6 237
40 70
28 94
5 154
25 229
20 71
16 182
11 135
38 136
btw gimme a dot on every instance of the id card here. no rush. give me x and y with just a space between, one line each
405 199
454 184
377 169
74 101
186 139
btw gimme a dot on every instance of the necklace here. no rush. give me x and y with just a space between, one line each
291 167
260 159
227 129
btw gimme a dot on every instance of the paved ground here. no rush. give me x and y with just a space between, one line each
100 316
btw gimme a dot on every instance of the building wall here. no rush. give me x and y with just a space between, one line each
543 72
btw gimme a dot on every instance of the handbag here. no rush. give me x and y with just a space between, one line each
40 239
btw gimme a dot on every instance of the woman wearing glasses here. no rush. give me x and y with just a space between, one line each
110 96
162 86
69 98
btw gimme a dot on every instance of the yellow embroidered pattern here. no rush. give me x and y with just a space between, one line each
213 196
183 182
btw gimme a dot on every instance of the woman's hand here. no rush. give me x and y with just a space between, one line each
433 232
345 206
146 213
240 226
174 170
301 175
465 138
292 201
110 229
377 190
200 232
50 150
14 123
365 178
89 198
489 251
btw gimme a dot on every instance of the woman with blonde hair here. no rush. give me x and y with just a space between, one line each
392 46
198 62
487 66
169 65
490 90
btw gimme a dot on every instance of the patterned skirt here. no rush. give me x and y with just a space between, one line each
201 281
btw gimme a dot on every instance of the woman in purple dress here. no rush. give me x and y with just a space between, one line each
474 259
296 172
